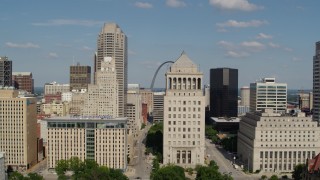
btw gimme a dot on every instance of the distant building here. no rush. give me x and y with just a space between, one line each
5 72
49 98
245 96
23 81
55 108
242 110
144 113
184 115
88 138
18 130
80 77
272 142
267 94
305 101
66 96
2 167
224 92
158 106
222 124
316 83
134 109
77 102
55 88
147 98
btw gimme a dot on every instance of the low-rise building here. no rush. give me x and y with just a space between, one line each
272 142
99 138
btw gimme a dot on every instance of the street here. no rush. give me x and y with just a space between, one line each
225 162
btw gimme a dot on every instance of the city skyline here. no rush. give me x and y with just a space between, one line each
260 38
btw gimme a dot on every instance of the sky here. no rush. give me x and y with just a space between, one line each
270 38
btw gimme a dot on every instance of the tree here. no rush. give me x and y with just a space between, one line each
154 142
211 172
298 170
62 166
264 177
170 172
274 177
35 176
16 176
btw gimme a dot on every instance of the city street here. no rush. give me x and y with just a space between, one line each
225 162
141 163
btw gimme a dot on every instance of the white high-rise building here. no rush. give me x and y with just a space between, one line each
267 94
54 88
316 83
112 43
102 97
184 115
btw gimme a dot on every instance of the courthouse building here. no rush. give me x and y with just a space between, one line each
272 142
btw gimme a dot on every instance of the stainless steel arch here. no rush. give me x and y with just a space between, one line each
155 74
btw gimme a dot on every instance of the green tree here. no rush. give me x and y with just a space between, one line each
116 174
211 172
62 166
264 177
170 172
16 176
298 170
35 176
274 177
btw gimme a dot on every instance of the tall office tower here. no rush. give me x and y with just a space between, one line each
5 71
184 115
96 138
80 77
102 97
157 114
224 92
245 96
267 94
55 88
23 81
316 84
18 129
112 42
275 142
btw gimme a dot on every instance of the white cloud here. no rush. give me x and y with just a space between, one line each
263 36
175 3
86 48
143 5
273 45
62 22
253 45
242 5
295 59
235 54
242 24
288 49
53 55
26 45
226 44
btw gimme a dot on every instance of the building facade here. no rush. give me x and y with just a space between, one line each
55 88
5 71
18 129
147 98
184 115
157 114
23 81
316 83
266 94
100 138
2 166
272 142
102 97
245 96
80 77
55 108
134 110
224 92
112 43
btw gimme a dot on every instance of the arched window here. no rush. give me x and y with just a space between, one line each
174 83
199 83
170 83
194 83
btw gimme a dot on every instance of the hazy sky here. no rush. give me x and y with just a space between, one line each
270 38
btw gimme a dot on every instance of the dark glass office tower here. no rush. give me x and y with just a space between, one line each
224 92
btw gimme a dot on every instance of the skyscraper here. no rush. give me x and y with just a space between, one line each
80 77
267 94
112 43
224 92
23 81
316 83
245 96
184 115
102 97
5 71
